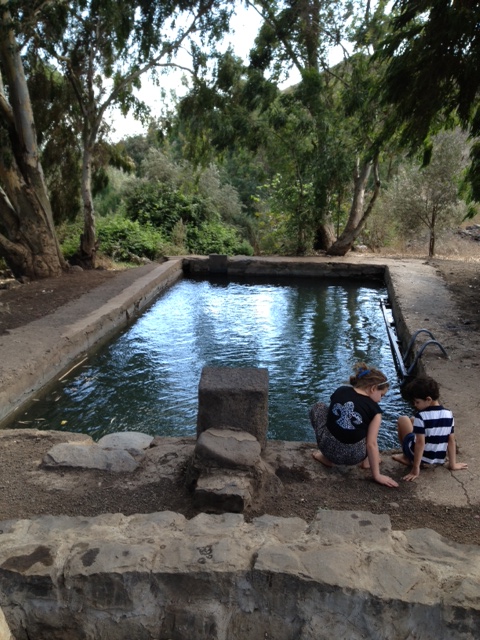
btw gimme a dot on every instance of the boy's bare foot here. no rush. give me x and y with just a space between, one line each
319 457
400 457
365 464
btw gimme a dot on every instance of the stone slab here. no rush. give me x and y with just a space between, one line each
132 441
228 448
89 457
218 492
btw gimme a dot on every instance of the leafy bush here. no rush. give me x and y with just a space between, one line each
215 237
161 206
109 200
68 234
121 238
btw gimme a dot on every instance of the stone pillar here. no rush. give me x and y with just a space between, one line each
234 398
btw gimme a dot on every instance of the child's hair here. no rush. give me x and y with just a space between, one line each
422 388
368 377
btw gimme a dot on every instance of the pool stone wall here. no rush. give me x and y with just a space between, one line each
159 576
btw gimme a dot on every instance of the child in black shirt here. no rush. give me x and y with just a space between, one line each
347 429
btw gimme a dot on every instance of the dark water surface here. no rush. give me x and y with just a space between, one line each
308 333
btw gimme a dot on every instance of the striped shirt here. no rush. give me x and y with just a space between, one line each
436 424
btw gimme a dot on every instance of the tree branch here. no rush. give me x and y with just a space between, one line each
6 111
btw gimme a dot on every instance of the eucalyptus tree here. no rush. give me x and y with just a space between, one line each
105 47
28 242
297 36
54 107
341 101
433 54
293 131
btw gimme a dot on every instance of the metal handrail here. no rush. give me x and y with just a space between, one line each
421 350
394 343
413 338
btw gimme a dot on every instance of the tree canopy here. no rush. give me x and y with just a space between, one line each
102 48
433 75
306 160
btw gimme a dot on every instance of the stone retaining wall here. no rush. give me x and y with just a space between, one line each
160 576
240 266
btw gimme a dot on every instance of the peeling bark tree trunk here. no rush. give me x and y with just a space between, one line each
324 237
92 115
358 214
87 252
28 242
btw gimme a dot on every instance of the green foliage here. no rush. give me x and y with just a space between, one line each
182 202
428 198
109 200
272 236
159 205
290 209
381 229
68 234
312 134
215 237
121 239
185 219
53 104
432 79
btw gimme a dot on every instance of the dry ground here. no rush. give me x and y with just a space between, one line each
96 493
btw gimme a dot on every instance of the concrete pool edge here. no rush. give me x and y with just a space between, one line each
346 574
45 348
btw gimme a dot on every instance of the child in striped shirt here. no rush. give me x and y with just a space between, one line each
428 437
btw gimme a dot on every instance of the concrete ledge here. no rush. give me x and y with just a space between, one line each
84 324
279 266
346 575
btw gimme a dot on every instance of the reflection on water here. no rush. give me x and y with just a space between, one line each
307 333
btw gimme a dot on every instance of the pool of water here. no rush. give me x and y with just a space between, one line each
308 333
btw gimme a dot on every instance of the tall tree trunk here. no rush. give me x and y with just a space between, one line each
28 242
324 236
92 116
358 214
86 255
431 243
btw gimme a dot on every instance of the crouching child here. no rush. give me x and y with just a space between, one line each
428 437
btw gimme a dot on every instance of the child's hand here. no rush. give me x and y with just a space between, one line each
386 481
458 466
413 475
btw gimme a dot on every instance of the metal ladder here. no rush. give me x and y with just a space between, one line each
400 360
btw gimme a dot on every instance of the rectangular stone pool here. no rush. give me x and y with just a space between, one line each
308 333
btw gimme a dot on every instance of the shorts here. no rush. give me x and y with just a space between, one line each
408 446
336 451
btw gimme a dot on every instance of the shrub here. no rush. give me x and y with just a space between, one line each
215 237
109 200
68 234
121 238
161 206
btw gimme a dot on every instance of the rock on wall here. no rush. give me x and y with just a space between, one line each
217 577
